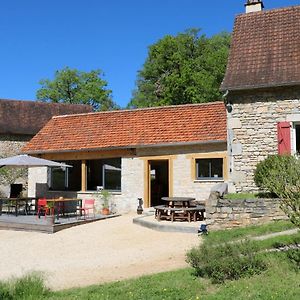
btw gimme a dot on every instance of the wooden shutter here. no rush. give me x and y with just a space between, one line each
284 137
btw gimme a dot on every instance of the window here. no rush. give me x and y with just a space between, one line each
104 172
297 138
67 178
209 168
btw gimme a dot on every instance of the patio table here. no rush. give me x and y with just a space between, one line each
178 201
61 201
17 203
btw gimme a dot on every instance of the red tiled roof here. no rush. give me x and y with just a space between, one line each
28 117
265 50
132 128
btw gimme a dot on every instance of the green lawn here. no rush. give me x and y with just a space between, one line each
281 280
222 236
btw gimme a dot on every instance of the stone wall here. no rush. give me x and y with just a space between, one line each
11 145
225 213
252 130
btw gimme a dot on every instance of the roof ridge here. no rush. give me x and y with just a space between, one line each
40 102
140 109
271 10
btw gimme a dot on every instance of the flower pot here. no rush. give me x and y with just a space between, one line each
105 211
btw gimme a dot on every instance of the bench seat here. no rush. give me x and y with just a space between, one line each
183 213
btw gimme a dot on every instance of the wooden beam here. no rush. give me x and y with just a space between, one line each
61 156
83 175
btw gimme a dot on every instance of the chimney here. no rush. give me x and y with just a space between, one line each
254 5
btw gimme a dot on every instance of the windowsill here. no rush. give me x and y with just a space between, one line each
208 180
93 192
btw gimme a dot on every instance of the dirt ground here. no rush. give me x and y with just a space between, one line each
103 251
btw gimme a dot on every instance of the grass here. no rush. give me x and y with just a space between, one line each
243 196
279 281
182 284
222 236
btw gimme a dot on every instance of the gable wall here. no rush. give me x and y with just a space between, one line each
252 130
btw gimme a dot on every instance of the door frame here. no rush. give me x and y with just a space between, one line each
147 177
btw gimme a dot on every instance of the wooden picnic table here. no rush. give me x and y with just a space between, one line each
179 208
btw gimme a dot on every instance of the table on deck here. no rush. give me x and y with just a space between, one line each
17 203
58 201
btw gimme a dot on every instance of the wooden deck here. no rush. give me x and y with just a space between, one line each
32 223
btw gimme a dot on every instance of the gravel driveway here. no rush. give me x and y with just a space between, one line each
103 251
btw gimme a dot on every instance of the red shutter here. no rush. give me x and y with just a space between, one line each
284 137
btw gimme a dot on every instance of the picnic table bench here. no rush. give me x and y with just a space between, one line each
181 213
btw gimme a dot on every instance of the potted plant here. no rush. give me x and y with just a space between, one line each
105 195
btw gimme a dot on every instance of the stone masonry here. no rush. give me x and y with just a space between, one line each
11 145
225 213
252 130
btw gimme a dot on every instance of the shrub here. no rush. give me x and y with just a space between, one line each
294 256
225 262
280 174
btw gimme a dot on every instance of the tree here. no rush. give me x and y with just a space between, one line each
280 175
187 68
73 86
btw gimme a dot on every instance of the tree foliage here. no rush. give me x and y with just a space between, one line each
186 68
77 87
280 174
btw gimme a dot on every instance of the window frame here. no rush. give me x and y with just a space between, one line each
212 155
209 178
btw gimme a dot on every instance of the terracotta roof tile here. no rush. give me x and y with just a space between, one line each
132 128
28 117
265 50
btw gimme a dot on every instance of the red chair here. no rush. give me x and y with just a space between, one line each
89 205
43 207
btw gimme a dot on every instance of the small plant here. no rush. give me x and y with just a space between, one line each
105 195
225 262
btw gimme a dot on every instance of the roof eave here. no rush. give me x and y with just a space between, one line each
128 147
258 86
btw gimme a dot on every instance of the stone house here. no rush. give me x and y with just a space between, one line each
21 120
262 90
143 153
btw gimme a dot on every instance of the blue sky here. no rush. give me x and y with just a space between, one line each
39 37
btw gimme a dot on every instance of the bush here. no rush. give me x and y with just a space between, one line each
294 256
225 262
268 170
280 175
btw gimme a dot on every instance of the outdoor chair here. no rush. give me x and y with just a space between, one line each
42 207
88 206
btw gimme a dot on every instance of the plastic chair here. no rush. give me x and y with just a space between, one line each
89 204
43 207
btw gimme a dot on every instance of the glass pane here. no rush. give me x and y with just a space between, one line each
203 168
112 174
58 179
297 129
211 168
217 168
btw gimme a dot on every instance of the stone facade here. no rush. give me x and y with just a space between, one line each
11 145
225 213
252 130
133 185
